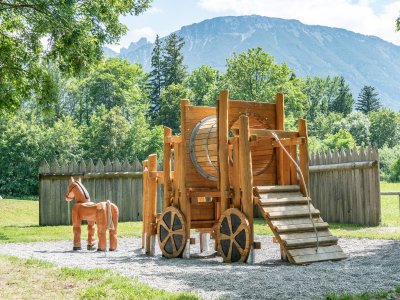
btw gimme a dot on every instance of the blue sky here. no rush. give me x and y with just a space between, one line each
370 17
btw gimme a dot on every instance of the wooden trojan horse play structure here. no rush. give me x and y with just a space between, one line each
226 160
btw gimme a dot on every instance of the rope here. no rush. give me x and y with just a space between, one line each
110 223
304 184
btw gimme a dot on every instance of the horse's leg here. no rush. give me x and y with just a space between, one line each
76 225
101 221
113 232
91 240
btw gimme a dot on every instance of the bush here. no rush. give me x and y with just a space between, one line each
395 172
342 139
387 158
21 151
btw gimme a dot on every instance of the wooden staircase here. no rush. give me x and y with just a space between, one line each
286 211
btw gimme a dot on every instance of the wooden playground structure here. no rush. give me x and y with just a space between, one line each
227 159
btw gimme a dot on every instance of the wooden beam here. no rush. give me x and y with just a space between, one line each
303 154
268 133
167 167
223 133
144 203
236 174
106 175
279 125
152 200
183 198
246 174
176 174
343 166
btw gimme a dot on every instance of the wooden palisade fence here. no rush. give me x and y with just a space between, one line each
119 182
344 186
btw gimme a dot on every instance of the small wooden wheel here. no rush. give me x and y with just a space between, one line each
233 236
171 232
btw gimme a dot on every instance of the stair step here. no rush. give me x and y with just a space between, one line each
281 195
301 207
264 201
297 221
303 235
301 227
309 255
311 242
292 214
277 188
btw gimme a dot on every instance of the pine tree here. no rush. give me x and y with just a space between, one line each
343 102
156 77
368 100
173 69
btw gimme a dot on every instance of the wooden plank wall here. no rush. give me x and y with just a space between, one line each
122 189
350 194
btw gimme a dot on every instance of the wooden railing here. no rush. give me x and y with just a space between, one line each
392 194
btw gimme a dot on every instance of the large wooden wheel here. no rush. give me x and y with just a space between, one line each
233 236
171 232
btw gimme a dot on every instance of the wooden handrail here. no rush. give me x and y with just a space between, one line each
392 194
344 166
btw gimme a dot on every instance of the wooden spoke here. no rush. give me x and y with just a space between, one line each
171 232
224 237
233 236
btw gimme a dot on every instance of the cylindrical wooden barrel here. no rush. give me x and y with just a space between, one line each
203 148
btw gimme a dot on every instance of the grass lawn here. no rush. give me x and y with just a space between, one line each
380 295
20 218
43 280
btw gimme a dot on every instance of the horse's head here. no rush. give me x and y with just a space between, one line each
76 190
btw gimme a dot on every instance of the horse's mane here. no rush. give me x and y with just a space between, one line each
84 190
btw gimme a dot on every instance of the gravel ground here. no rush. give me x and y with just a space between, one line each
372 265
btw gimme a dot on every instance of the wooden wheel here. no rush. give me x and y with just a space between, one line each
171 232
233 236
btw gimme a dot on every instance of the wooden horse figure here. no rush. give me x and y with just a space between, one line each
104 214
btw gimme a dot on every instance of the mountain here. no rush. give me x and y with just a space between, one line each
308 49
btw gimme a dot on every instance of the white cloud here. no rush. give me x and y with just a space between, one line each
133 36
154 10
358 16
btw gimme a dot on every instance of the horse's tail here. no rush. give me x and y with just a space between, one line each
110 223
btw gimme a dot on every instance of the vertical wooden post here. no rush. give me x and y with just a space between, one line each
184 202
303 153
177 165
279 125
223 107
236 173
167 167
145 202
152 205
246 173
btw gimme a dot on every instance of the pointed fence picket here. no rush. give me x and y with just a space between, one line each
120 182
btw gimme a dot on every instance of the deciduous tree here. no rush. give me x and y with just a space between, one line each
204 82
254 76
384 127
74 33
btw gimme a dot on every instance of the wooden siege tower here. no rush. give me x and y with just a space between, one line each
225 161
